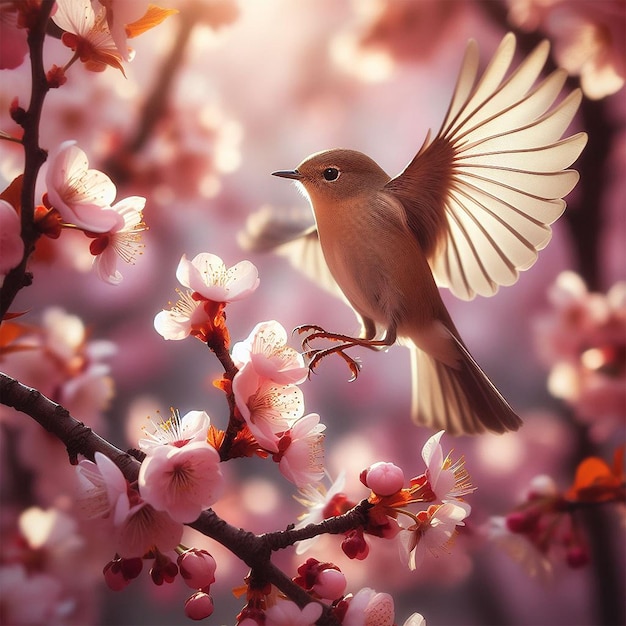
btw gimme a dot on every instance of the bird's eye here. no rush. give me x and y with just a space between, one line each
331 173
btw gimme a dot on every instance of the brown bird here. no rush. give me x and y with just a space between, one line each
469 212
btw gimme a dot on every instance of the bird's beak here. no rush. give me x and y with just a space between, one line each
294 174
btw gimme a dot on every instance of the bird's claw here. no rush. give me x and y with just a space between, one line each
314 358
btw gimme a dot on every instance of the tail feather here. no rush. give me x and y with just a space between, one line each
461 400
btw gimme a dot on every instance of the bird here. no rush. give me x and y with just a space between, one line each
469 212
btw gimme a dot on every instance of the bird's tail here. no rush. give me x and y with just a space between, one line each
458 398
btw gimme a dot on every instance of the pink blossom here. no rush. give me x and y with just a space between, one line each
300 454
87 34
535 562
369 607
199 606
121 242
13 44
29 598
384 479
433 531
266 348
82 196
207 275
288 613
448 480
102 488
119 13
182 481
177 431
268 408
11 244
182 318
316 498
144 528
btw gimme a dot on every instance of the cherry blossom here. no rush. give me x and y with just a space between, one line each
188 316
448 480
177 431
87 34
123 242
369 607
102 488
207 275
82 196
287 613
269 409
300 452
267 350
182 481
119 13
319 502
11 244
144 528
104 492
433 531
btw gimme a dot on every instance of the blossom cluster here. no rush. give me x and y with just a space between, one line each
545 527
582 338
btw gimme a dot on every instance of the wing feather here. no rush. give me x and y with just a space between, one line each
492 180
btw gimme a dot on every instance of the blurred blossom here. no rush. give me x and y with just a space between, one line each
288 613
119 13
589 38
11 244
583 340
320 503
13 45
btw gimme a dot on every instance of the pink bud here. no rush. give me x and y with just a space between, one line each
197 567
330 584
384 479
577 556
199 605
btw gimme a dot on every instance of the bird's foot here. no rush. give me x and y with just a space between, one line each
344 342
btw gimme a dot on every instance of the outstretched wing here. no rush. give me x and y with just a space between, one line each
293 235
480 197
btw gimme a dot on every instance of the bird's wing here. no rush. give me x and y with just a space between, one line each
481 195
293 235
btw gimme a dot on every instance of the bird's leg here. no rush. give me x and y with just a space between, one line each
345 342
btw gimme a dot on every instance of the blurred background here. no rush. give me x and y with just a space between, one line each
216 98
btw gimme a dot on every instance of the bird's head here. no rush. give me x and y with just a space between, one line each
335 175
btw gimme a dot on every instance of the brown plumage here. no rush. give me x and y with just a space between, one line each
469 212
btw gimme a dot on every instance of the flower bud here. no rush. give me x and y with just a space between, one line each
384 479
330 584
354 545
197 567
199 605
577 556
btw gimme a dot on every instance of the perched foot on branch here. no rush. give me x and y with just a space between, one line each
345 342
